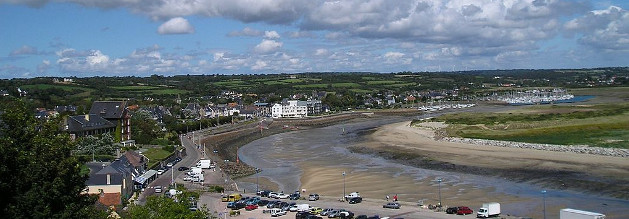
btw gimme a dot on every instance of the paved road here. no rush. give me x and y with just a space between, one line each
192 156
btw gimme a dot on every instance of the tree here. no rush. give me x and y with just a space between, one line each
103 145
39 178
162 207
144 128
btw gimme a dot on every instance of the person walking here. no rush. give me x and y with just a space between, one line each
387 197
395 198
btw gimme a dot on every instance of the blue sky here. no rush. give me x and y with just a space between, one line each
169 37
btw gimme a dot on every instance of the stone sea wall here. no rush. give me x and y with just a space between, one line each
580 149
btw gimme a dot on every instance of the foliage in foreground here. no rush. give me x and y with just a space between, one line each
159 207
39 176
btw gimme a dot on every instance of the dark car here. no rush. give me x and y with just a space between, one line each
312 216
393 205
263 202
452 210
271 204
464 210
355 200
362 216
313 197
302 215
294 196
183 168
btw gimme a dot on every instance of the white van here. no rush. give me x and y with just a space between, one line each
276 212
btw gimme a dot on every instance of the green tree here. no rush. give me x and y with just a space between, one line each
161 207
92 145
39 178
144 128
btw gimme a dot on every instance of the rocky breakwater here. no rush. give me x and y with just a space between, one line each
581 149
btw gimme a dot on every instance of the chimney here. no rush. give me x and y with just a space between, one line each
87 117
108 179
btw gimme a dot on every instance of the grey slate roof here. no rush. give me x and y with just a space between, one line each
108 109
81 123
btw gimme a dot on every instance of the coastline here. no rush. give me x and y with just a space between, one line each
416 146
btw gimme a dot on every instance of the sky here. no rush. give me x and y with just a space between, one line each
85 38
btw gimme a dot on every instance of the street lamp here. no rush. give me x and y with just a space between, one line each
439 180
257 182
343 185
544 197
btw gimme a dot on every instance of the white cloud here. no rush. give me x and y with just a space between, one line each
97 58
247 31
176 25
24 50
321 52
393 55
267 46
259 65
271 35
602 29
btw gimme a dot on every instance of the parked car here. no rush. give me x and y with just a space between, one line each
302 215
312 216
251 207
263 202
315 210
355 200
282 196
169 165
273 194
160 172
452 210
345 214
271 204
362 216
183 168
393 205
263 193
158 189
313 197
333 213
463 210
294 196
326 211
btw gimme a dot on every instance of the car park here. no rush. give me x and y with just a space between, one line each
313 197
463 210
355 200
393 205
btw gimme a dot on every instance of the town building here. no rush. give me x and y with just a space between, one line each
115 112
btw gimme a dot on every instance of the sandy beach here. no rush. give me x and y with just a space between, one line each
421 140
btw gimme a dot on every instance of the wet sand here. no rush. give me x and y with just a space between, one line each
314 160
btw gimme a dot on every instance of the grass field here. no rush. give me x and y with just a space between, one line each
311 86
362 91
155 155
62 87
150 90
382 82
347 85
598 125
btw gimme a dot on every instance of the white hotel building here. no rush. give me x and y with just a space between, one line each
292 109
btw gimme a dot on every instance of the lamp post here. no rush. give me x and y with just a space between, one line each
343 185
439 180
544 198
257 182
